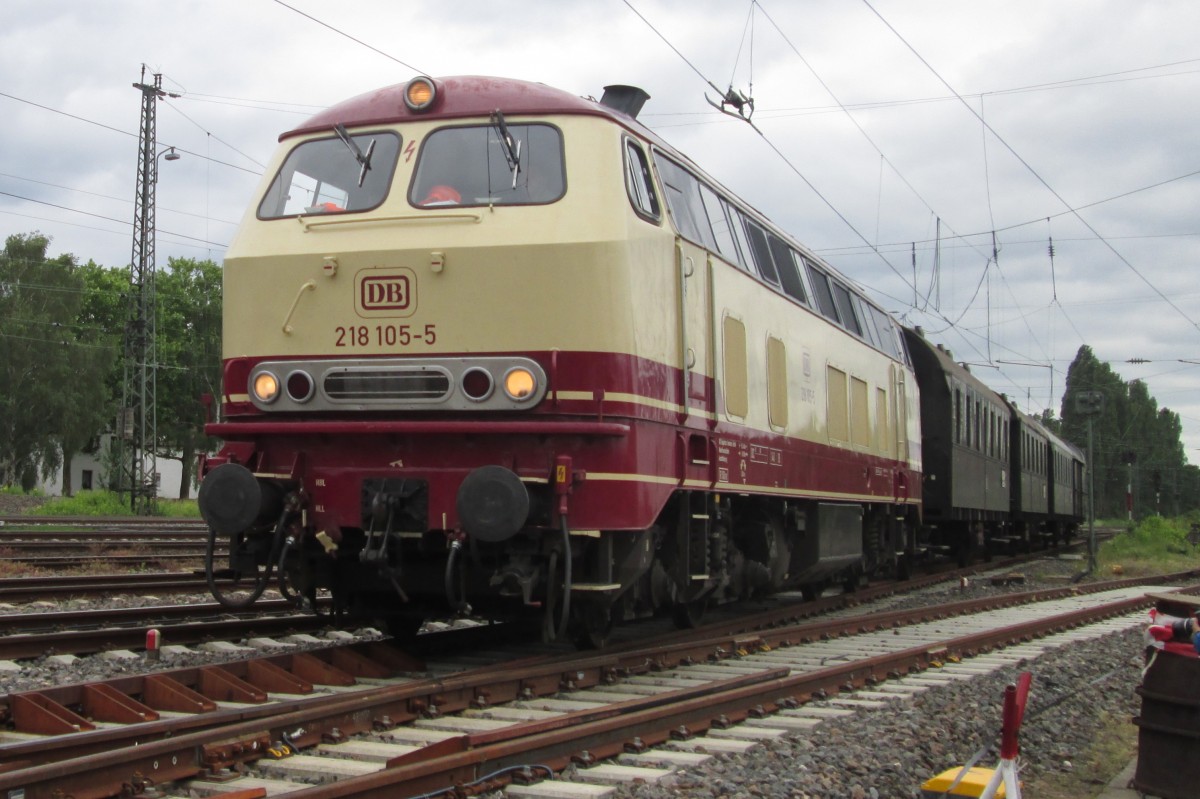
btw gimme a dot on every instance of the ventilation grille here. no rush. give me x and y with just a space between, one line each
387 385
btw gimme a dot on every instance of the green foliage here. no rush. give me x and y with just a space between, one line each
1133 442
1155 544
86 503
20 492
52 368
62 374
109 503
178 508
189 357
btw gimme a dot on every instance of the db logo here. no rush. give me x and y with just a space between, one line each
391 292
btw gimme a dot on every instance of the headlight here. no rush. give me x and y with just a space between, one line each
477 383
420 93
519 383
266 387
300 386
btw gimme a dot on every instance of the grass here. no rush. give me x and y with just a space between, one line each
108 503
1114 746
1153 546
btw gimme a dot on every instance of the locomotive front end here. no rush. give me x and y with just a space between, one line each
412 312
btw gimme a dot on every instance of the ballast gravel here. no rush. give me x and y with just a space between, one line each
887 753
874 754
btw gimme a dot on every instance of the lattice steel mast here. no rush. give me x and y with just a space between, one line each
138 427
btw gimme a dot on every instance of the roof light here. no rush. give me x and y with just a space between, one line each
420 93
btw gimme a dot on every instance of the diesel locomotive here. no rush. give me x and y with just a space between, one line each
490 346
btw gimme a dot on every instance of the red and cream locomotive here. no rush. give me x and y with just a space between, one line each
490 344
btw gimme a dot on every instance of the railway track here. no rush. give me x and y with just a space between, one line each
393 735
54 542
33 588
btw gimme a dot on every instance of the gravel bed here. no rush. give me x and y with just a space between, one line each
1077 690
888 753
881 754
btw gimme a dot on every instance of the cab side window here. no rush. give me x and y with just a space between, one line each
685 204
640 184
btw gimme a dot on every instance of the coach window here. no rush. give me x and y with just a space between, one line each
958 416
475 166
640 184
329 176
966 439
978 426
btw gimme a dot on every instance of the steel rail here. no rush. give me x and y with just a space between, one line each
188 754
100 639
37 587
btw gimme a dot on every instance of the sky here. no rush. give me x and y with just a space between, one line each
931 150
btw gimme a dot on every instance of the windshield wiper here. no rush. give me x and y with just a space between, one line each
364 159
511 147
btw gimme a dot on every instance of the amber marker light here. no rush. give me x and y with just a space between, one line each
266 387
420 93
519 383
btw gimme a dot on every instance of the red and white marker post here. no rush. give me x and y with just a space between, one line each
1014 711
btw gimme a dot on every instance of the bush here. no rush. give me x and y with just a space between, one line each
1155 543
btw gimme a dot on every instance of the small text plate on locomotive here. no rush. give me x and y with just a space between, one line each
385 293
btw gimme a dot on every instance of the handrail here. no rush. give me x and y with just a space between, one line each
287 320
465 216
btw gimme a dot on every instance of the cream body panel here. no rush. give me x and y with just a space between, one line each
584 273
812 344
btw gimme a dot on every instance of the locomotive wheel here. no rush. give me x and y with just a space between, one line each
687 615
592 625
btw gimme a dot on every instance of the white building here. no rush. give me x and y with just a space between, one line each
90 472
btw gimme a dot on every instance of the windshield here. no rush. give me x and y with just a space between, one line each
333 175
482 166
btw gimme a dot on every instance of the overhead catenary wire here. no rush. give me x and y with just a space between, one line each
1037 176
351 38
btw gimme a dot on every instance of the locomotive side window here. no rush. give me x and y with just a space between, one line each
480 165
739 234
886 330
821 290
684 203
333 175
762 252
639 183
722 230
863 312
785 266
841 296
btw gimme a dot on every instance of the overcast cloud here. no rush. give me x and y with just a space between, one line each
1091 105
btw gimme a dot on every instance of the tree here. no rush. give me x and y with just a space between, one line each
98 326
189 357
1137 446
51 372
